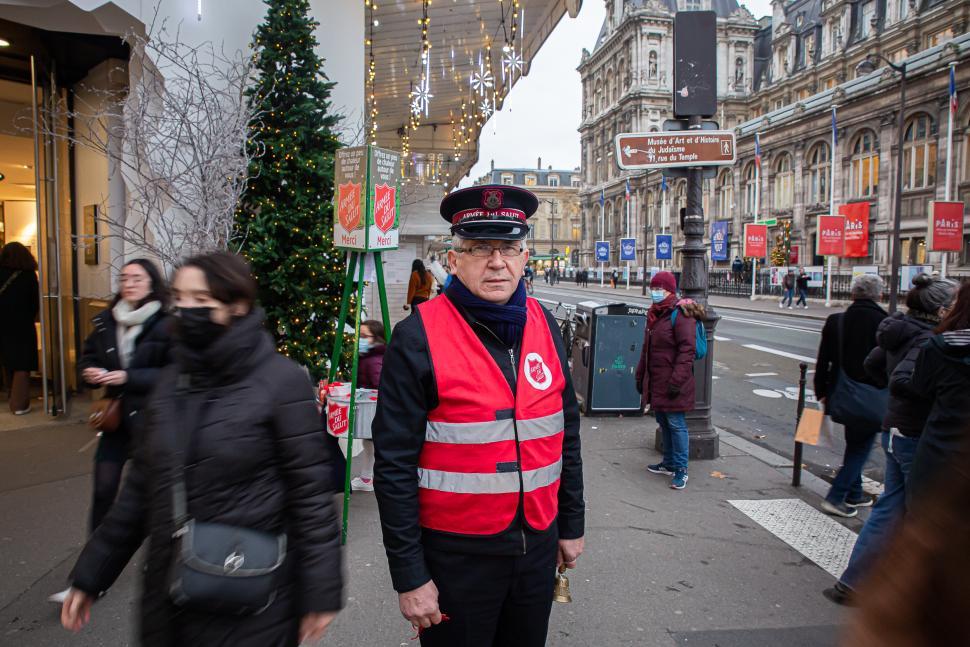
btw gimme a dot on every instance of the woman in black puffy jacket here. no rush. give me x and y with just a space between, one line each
130 344
238 422
926 302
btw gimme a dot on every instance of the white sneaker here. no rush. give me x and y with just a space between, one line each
22 412
781 304
362 485
789 307
58 598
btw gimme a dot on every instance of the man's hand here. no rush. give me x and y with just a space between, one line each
569 551
91 375
314 625
420 606
76 610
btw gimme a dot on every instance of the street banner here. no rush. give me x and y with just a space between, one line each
665 247
945 230
628 249
793 255
366 200
830 239
755 240
602 251
856 229
719 240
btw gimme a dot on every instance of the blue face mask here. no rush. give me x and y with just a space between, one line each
363 345
657 295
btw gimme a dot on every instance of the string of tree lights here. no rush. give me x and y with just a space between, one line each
285 218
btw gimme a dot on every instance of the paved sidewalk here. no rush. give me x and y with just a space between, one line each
662 567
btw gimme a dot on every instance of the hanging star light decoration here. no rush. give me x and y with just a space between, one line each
482 80
486 108
421 97
512 62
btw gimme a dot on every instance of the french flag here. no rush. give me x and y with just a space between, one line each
953 89
757 151
628 190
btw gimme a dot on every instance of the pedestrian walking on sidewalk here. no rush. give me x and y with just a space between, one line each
942 374
19 303
231 477
130 345
847 339
419 285
614 278
737 270
788 286
801 283
478 473
371 348
665 373
926 302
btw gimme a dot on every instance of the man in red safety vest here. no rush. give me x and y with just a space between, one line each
478 471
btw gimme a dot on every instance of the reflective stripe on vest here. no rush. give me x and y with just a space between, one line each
486 449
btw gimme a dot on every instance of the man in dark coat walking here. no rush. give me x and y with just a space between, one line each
478 473
848 352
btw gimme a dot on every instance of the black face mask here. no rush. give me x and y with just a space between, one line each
196 328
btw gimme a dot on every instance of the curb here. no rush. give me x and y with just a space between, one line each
779 463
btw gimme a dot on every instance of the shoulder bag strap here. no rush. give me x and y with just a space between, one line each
9 280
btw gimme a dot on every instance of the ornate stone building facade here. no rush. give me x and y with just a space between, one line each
806 60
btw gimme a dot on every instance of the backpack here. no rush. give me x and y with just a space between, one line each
700 336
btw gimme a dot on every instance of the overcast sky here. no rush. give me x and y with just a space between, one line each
542 112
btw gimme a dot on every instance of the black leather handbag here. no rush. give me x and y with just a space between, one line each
853 403
217 568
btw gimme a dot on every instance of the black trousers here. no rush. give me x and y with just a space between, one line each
491 600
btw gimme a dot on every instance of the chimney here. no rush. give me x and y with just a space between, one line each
493 165
539 164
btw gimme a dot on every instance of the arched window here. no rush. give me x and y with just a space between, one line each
681 195
783 182
919 153
609 217
750 188
818 174
725 194
651 208
864 169
619 214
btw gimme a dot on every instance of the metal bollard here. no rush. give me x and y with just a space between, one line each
796 474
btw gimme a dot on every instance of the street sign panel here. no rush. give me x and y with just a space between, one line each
628 249
945 226
641 151
830 236
602 251
755 240
695 63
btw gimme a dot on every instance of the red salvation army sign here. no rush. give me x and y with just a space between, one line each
830 240
856 229
755 240
945 226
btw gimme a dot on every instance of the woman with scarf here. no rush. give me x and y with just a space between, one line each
665 374
124 355
232 446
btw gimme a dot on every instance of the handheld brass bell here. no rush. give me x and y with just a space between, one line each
561 592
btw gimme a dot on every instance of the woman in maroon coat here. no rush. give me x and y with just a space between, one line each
372 346
665 374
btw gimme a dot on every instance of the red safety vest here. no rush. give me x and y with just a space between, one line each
485 447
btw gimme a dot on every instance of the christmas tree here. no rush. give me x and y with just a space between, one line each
286 216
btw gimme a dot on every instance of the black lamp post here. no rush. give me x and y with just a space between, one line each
865 67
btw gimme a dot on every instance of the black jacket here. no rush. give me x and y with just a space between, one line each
19 304
942 373
801 282
256 459
896 336
153 350
861 319
407 394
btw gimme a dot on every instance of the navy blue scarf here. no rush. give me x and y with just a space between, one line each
505 320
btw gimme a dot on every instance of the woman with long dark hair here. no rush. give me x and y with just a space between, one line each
942 375
419 285
19 303
230 480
